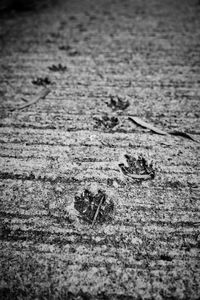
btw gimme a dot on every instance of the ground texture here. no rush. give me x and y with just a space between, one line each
147 53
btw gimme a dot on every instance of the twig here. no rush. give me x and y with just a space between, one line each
41 95
97 211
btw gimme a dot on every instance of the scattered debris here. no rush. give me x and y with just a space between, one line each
57 68
73 52
165 257
5 230
144 124
117 103
49 41
56 35
70 51
41 81
81 27
72 18
41 95
64 47
62 25
80 296
137 168
107 122
112 182
94 207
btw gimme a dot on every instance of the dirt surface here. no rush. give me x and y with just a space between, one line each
90 54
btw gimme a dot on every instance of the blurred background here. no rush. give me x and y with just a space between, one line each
7 5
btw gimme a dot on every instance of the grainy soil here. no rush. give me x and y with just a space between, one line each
103 62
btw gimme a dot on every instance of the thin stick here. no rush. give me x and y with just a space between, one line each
97 211
41 95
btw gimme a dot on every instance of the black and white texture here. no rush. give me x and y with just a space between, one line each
103 62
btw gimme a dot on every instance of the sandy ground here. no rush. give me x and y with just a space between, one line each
75 138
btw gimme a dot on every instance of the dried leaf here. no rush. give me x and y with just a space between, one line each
93 206
137 167
107 122
41 95
117 103
183 134
41 81
144 124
